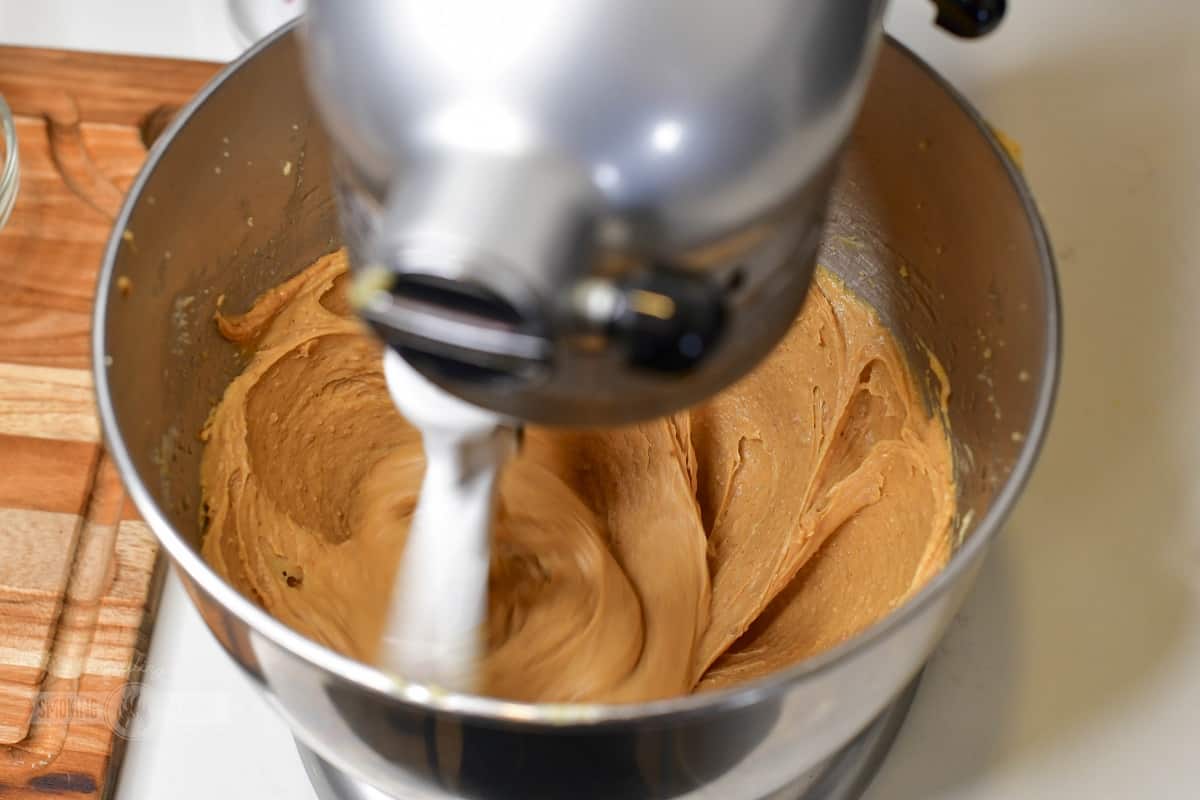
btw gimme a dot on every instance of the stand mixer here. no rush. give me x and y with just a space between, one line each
895 234
589 212
583 212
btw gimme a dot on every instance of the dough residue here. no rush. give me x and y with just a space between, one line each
691 552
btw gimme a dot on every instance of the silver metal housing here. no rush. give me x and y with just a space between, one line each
531 150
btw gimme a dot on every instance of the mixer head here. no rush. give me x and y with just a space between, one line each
586 211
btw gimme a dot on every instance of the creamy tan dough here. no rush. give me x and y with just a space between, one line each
692 552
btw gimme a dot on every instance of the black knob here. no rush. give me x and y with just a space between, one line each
970 18
670 319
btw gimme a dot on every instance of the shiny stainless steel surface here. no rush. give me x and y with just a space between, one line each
845 775
930 221
543 151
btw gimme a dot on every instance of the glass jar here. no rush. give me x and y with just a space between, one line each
9 168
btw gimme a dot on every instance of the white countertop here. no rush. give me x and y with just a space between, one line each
1074 670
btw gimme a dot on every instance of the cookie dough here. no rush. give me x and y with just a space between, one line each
691 552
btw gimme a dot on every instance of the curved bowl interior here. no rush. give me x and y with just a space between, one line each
929 222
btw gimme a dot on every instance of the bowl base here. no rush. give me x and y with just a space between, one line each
843 776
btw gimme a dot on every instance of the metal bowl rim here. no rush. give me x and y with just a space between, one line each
558 715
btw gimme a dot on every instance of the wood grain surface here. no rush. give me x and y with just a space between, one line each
78 570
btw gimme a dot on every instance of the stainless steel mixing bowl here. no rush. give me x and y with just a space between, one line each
931 223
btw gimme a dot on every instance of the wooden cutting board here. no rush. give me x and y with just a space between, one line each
79 573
